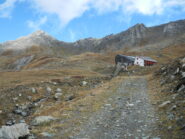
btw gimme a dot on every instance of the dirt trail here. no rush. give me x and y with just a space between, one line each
127 114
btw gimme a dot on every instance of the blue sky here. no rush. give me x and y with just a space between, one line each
70 20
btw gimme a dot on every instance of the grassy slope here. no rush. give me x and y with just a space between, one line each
75 69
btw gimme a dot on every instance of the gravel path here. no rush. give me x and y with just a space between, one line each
128 114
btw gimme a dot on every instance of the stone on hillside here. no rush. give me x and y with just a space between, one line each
10 122
54 83
58 96
84 83
23 110
15 131
46 134
59 90
164 104
48 89
70 97
17 111
29 97
42 120
15 99
130 105
33 90
163 68
173 107
24 113
22 121
183 74
183 66
172 77
177 71
182 88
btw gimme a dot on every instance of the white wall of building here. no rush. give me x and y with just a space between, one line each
139 61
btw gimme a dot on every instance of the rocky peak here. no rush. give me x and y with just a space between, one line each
39 33
38 38
174 27
136 32
138 26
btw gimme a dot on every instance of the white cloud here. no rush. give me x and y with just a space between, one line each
67 10
145 7
6 8
35 25
172 3
103 6
71 9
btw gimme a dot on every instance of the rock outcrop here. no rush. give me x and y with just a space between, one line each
18 64
14 132
42 120
173 84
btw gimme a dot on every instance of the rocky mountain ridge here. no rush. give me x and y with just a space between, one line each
138 35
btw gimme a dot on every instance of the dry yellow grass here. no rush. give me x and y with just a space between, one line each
10 79
85 65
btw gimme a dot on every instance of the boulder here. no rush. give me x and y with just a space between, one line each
177 71
84 83
183 74
164 104
182 88
48 89
42 120
183 66
33 90
59 90
58 96
15 131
